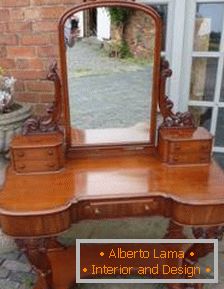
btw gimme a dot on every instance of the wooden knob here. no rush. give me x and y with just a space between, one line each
51 165
147 208
204 146
21 154
21 166
177 147
97 211
204 158
176 158
50 152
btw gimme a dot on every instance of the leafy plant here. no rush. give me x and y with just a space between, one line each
6 92
119 15
124 50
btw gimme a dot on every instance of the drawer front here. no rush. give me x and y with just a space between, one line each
36 166
189 158
117 209
35 154
190 146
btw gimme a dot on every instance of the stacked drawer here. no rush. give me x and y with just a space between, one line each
37 153
182 146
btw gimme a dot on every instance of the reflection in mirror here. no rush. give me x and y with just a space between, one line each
110 68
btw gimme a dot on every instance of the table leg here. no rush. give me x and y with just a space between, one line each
174 231
54 263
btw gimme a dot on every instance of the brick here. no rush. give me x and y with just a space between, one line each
3 52
20 51
29 74
51 12
54 39
7 63
27 97
4 15
47 51
8 39
30 64
46 98
19 86
41 86
20 26
3 27
17 15
32 14
45 26
35 39
15 3
73 2
45 2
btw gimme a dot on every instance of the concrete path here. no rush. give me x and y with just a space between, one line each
106 92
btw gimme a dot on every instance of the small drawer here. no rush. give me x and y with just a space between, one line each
37 166
190 146
121 209
34 154
189 158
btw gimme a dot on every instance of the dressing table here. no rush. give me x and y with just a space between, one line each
61 173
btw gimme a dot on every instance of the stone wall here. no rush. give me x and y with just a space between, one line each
28 40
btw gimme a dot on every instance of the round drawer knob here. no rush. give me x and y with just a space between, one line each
51 165
21 154
97 211
147 208
50 152
177 147
205 147
21 166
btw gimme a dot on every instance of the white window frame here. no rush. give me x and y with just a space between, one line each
187 66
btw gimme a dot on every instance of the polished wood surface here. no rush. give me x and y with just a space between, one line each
37 153
185 146
109 188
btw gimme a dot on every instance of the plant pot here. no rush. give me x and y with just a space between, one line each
11 125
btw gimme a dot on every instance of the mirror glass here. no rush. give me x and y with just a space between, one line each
110 55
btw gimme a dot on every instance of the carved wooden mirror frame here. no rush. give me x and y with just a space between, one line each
156 74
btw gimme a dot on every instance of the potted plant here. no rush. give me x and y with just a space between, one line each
12 114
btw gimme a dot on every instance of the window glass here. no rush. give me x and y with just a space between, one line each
202 115
219 136
203 78
208 26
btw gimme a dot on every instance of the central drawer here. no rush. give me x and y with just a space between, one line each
121 208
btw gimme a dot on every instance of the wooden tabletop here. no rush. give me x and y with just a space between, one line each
109 178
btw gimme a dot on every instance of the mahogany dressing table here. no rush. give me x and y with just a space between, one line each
53 183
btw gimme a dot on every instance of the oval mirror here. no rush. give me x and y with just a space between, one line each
110 57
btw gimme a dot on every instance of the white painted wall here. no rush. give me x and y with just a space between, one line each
81 23
103 24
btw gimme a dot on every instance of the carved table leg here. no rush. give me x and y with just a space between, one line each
215 232
54 263
174 231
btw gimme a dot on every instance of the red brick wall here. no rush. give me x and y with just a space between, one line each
28 40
